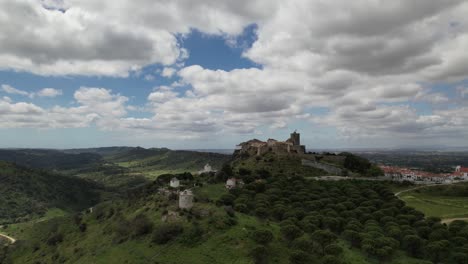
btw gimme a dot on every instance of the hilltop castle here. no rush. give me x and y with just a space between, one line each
258 147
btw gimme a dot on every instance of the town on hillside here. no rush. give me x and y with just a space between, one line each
405 174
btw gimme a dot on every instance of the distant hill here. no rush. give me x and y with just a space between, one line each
118 167
25 192
158 158
49 159
166 159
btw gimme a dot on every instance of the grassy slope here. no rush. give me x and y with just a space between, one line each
439 206
96 244
443 201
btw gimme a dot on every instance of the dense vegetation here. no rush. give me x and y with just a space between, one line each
360 165
313 215
27 192
273 219
49 159
279 216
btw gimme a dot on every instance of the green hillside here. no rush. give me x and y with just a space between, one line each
28 192
125 167
272 219
49 159
117 167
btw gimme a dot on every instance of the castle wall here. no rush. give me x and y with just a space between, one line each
328 168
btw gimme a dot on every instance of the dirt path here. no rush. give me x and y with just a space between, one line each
450 220
420 187
9 238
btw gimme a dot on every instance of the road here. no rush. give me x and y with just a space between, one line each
9 238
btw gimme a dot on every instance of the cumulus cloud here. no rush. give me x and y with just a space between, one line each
49 92
366 62
168 72
97 106
83 37
12 90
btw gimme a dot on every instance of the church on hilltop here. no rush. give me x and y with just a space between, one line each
258 147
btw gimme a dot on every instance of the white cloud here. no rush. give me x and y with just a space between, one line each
49 92
168 72
83 37
162 94
366 62
12 90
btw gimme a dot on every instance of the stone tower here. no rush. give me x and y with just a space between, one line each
186 199
295 138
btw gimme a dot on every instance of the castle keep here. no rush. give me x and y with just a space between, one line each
258 147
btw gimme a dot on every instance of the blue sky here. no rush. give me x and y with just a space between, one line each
94 76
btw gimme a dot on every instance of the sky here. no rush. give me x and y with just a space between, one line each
210 74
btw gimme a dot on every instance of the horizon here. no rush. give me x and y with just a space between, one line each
344 74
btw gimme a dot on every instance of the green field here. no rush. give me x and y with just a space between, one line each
438 206
443 201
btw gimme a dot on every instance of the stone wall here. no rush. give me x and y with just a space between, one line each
326 167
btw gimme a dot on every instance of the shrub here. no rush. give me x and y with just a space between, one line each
141 225
259 254
262 236
167 232
55 239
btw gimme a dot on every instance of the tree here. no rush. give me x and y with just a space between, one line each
244 172
141 225
227 169
259 254
331 259
227 199
299 257
323 238
303 243
291 232
413 245
166 232
263 236
438 250
333 249
353 237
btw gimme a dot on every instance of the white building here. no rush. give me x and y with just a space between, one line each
175 183
231 183
207 169
186 199
461 173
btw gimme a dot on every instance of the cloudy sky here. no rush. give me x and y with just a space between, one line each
211 73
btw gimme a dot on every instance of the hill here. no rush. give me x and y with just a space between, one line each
116 167
272 219
29 192
306 165
49 159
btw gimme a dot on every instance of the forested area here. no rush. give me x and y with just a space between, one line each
313 215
